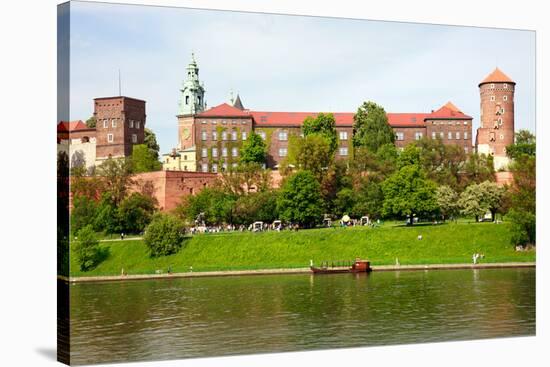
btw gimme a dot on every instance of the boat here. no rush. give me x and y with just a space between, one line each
357 266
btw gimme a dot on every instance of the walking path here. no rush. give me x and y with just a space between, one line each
292 271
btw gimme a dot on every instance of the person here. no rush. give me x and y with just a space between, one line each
122 236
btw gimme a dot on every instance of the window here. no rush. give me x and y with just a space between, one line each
204 167
418 135
450 135
442 135
262 134
501 137
399 136
203 135
234 122
234 135
186 99
283 135
465 135
502 110
110 138
137 124
492 98
457 135
224 122
465 149
214 122
234 152
282 152
214 135
204 153
505 86
131 124
204 122
499 122
214 168
105 124
244 135
433 135
214 152
343 135
492 86
224 167
224 152
224 135
505 98
134 138
465 122
344 151
113 123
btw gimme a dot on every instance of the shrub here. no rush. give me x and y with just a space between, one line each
87 248
164 235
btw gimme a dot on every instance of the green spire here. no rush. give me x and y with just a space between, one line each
192 91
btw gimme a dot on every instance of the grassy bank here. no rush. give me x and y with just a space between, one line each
447 243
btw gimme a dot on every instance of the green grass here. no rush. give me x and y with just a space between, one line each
447 243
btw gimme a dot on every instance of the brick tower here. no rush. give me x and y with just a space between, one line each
120 124
496 129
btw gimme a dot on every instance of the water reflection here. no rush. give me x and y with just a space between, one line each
177 318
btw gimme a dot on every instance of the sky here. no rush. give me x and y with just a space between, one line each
286 63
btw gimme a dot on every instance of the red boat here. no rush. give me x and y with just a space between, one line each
358 266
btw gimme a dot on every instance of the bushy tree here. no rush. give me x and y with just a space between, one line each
91 122
144 160
312 153
107 216
164 236
116 175
443 163
471 202
150 140
409 156
447 200
299 200
136 211
87 248
525 144
245 178
371 128
84 213
261 206
214 203
479 168
408 192
323 125
253 150
492 195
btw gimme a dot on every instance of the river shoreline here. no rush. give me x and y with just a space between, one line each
109 278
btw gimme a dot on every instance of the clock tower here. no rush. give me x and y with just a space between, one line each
191 103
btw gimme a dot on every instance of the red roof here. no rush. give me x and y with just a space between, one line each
70 126
343 119
448 111
224 110
497 76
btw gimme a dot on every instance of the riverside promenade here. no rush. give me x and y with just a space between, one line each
191 274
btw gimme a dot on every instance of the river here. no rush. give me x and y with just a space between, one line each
197 317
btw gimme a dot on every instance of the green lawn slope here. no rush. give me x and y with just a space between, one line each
440 244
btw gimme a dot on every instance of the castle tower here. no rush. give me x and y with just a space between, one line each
496 129
191 103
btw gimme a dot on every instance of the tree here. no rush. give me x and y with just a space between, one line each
323 125
312 153
369 199
246 177
409 156
107 216
215 204
447 201
87 248
136 212
299 199
479 168
91 122
407 193
443 163
492 196
471 202
150 140
116 177
371 128
83 213
253 149
525 144
164 235
260 206
144 160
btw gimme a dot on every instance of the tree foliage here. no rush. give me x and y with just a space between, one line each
136 212
312 153
91 122
150 140
447 200
371 128
253 149
144 159
165 235
87 248
323 125
408 192
214 204
260 206
299 200
525 144
116 175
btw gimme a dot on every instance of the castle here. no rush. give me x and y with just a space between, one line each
209 140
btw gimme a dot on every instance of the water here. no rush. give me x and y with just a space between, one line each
195 317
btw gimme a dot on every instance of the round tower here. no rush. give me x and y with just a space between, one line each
496 117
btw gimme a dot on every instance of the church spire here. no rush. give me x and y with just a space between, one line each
192 91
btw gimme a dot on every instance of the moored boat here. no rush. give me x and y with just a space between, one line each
358 266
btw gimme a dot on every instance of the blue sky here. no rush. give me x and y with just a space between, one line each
288 63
